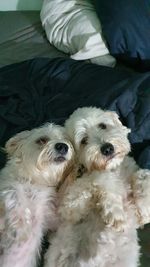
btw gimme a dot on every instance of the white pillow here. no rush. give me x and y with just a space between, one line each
73 27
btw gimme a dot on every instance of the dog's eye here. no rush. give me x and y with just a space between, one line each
84 140
102 126
42 140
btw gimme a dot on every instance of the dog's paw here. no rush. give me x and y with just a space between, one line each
115 219
141 195
142 213
143 174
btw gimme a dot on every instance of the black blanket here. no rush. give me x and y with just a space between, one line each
40 90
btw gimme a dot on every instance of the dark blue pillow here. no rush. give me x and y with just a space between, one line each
126 27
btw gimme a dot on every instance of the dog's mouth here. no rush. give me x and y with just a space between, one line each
110 157
59 159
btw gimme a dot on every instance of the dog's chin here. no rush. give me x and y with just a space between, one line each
113 157
104 163
113 161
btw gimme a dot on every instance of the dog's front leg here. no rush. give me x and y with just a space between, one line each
113 213
15 242
18 217
140 184
76 203
109 200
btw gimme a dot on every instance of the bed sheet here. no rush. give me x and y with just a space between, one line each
22 37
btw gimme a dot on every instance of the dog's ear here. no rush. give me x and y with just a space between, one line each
14 142
114 116
116 119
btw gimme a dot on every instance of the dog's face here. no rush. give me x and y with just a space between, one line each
99 138
42 152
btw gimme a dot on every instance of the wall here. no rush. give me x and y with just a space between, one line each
20 5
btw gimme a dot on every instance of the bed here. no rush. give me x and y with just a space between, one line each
38 83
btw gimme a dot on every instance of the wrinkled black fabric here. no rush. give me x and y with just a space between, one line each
125 26
41 90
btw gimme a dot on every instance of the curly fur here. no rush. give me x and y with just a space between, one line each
28 192
102 210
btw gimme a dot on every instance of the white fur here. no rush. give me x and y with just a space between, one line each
100 212
28 196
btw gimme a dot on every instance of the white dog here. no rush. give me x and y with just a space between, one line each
39 160
101 211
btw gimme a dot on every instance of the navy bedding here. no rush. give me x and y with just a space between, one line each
126 29
40 90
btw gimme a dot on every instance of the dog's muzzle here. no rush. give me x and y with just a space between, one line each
62 150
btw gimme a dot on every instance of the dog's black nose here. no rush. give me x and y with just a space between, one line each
107 149
62 148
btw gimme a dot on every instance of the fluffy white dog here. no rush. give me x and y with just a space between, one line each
39 160
101 210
